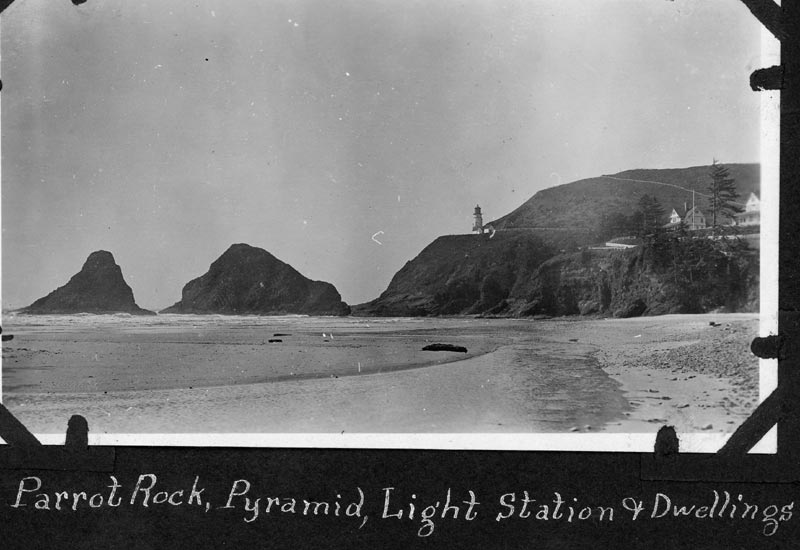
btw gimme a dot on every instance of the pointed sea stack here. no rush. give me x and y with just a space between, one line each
97 288
247 280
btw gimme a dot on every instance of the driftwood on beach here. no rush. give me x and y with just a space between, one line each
444 347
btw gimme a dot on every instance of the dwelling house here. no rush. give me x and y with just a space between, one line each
752 212
693 219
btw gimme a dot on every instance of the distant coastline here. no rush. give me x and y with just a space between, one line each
599 246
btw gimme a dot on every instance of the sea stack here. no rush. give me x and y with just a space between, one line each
247 280
97 288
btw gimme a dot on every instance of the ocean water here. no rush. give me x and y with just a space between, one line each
81 321
215 373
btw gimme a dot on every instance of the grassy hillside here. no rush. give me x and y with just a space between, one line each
583 204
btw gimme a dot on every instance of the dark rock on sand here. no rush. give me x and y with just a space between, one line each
97 288
249 280
444 347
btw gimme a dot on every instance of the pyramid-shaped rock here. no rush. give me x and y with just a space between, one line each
250 280
98 288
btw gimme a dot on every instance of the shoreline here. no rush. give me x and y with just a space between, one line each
278 379
706 384
563 375
482 395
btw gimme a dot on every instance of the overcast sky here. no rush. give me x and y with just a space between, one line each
165 131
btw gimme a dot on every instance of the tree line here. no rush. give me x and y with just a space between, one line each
649 218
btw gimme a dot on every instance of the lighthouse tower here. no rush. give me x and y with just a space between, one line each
478 226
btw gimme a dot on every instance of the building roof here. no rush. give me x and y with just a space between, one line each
694 211
753 203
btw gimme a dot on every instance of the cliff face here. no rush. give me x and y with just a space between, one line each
515 274
97 288
461 274
629 283
249 280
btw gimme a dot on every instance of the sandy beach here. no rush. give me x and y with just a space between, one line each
213 374
678 369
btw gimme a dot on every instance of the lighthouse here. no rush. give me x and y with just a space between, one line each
478 226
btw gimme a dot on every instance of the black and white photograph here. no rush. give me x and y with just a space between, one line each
517 224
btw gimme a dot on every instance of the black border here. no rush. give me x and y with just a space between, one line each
592 478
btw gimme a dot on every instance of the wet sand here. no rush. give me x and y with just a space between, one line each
102 354
365 375
678 370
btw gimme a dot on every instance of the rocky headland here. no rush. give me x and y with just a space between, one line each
512 275
461 275
543 258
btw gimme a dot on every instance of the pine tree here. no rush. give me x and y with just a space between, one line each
723 194
652 214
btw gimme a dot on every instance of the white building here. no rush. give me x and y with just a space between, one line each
752 212
695 219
